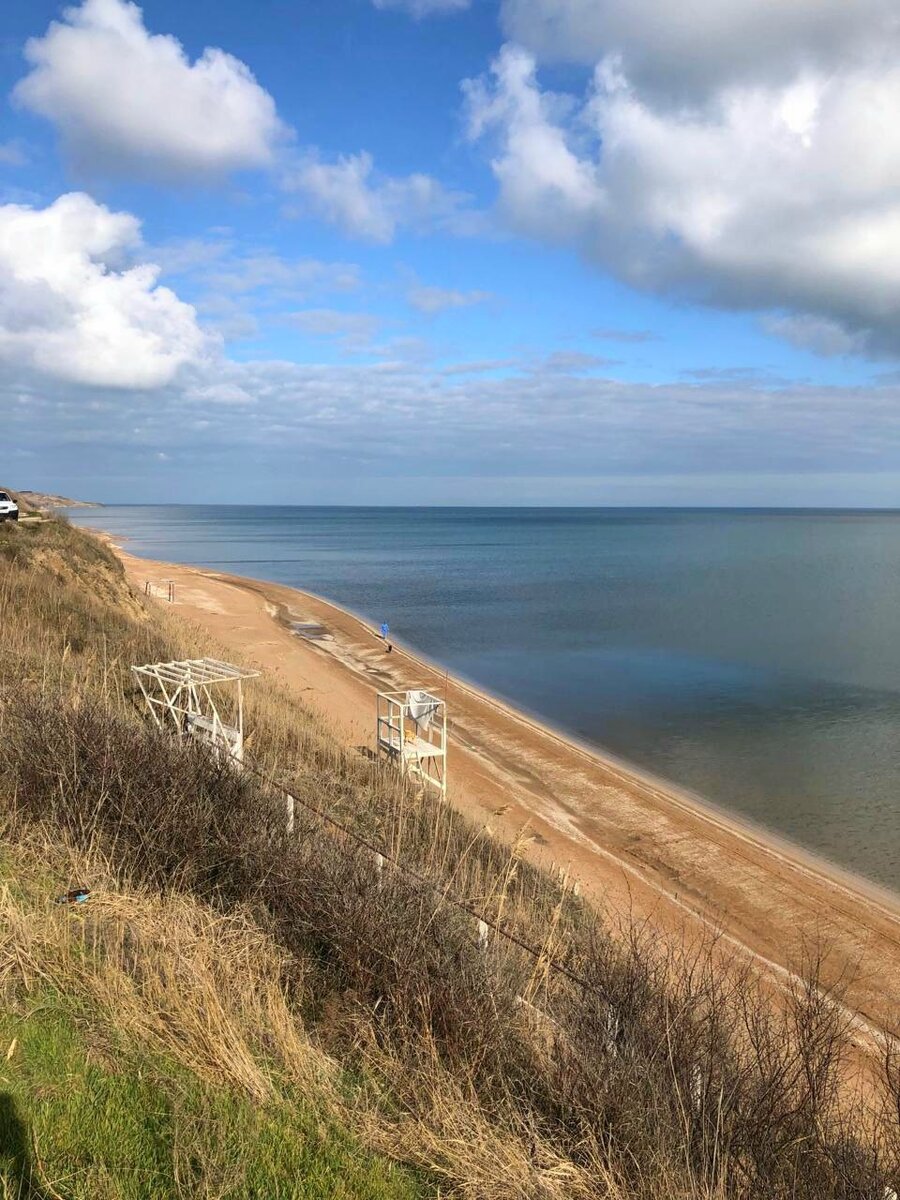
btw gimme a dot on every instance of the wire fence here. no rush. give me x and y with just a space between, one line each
485 924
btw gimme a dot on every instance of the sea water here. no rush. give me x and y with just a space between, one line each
752 656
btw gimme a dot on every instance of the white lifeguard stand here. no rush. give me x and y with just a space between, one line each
412 733
180 694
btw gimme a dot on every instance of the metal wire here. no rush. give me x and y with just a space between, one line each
535 952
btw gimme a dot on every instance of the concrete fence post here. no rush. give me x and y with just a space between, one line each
612 1032
696 1087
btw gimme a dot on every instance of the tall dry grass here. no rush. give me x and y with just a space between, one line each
182 980
668 1072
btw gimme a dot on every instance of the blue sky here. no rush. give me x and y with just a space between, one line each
451 251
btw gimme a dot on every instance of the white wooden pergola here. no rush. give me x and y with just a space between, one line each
411 732
181 695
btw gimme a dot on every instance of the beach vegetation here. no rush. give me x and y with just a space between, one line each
253 1003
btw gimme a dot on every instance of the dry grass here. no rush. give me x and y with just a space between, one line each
670 1074
150 1046
181 979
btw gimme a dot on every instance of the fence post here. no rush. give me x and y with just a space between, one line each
482 935
290 814
696 1086
612 1032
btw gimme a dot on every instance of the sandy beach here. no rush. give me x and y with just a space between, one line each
637 846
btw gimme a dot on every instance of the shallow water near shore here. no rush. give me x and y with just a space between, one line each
752 656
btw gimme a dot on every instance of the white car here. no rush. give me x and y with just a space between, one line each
9 510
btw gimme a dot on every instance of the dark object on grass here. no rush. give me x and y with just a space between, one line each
76 896
18 1173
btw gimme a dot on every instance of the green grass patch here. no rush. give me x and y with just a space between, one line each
100 1122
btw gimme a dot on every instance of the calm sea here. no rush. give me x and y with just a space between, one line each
752 656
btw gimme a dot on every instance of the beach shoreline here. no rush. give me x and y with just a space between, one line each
640 846
739 824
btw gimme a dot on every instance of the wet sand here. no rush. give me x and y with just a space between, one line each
639 846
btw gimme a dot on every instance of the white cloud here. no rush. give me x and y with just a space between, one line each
432 300
633 336
129 102
480 367
189 256
341 193
541 419
424 8
238 288
572 362
231 320
229 393
366 204
546 188
779 196
353 330
688 48
818 334
399 352
69 309
283 276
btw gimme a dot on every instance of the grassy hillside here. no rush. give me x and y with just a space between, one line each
240 1012
37 502
44 500
25 505
132 1065
146 1044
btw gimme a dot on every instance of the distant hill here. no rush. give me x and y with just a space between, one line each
24 506
47 500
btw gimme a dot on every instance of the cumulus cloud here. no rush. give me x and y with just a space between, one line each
129 102
367 204
72 309
342 194
686 49
424 8
776 197
432 300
